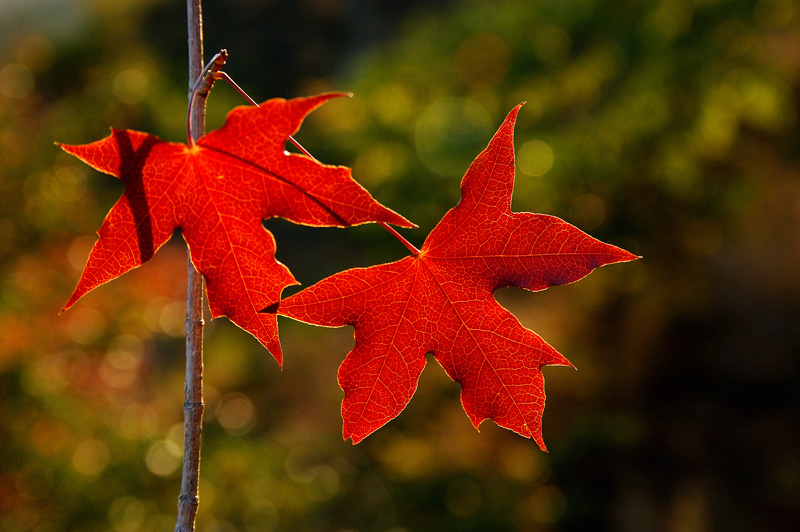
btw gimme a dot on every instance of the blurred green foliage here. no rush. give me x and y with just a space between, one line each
666 127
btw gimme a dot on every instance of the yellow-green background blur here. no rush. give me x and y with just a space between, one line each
668 127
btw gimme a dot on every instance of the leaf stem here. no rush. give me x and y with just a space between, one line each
225 77
188 500
301 148
398 236
411 247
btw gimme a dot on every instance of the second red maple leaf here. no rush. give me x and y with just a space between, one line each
440 300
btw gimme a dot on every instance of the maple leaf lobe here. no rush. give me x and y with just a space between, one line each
441 301
218 193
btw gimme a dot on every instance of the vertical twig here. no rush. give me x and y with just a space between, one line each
193 407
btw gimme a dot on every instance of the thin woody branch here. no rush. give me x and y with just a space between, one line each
188 500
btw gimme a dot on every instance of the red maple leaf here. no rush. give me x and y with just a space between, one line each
441 301
218 192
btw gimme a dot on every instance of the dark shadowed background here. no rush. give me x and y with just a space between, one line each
669 128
